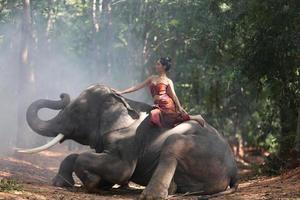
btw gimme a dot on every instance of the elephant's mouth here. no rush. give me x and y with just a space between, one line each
53 142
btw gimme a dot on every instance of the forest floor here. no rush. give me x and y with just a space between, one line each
32 174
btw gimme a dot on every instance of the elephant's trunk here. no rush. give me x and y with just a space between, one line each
50 128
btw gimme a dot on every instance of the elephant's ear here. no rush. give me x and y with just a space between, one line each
132 112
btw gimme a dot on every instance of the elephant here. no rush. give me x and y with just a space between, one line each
187 158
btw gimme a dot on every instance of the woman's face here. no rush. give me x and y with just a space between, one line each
159 67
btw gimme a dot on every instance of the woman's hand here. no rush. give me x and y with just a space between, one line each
117 91
182 110
133 88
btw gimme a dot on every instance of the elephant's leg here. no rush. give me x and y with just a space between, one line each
173 151
95 169
64 176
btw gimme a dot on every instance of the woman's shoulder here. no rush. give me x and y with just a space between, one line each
170 82
152 78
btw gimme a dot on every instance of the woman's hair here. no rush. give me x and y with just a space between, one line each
167 62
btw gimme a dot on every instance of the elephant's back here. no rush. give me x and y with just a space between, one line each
208 166
210 155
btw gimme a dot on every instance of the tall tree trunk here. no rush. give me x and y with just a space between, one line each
297 140
43 52
94 46
145 14
101 48
95 15
236 124
108 35
26 74
49 26
288 121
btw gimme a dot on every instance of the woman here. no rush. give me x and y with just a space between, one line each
167 110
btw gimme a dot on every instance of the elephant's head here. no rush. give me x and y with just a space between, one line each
96 111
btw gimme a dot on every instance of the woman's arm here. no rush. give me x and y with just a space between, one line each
136 87
175 98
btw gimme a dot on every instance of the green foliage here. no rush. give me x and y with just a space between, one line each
7 185
269 57
236 62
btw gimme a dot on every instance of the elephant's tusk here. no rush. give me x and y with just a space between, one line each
53 142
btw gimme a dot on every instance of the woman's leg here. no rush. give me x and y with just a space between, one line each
198 118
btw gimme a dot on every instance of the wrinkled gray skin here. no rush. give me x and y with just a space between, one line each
187 158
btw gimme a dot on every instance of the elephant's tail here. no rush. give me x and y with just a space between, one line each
233 184
51 127
229 191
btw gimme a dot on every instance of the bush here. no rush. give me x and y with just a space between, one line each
7 185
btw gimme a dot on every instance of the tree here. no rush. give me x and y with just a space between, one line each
26 74
297 140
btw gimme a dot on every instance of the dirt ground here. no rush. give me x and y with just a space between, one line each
34 173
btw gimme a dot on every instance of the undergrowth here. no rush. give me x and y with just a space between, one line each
7 185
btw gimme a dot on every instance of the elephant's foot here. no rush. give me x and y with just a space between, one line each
162 179
61 181
64 176
153 192
105 185
91 181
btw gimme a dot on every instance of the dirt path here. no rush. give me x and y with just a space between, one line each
34 172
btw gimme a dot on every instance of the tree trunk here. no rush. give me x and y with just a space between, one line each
43 52
95 16
288 121
94 46
49 21
297 140
108 35
25 74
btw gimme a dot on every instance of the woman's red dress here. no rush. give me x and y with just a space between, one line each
164 112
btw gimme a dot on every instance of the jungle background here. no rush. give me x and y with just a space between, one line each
236 62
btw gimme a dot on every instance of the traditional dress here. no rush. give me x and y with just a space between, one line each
164 112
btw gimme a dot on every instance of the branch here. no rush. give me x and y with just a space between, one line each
117 2
162 42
